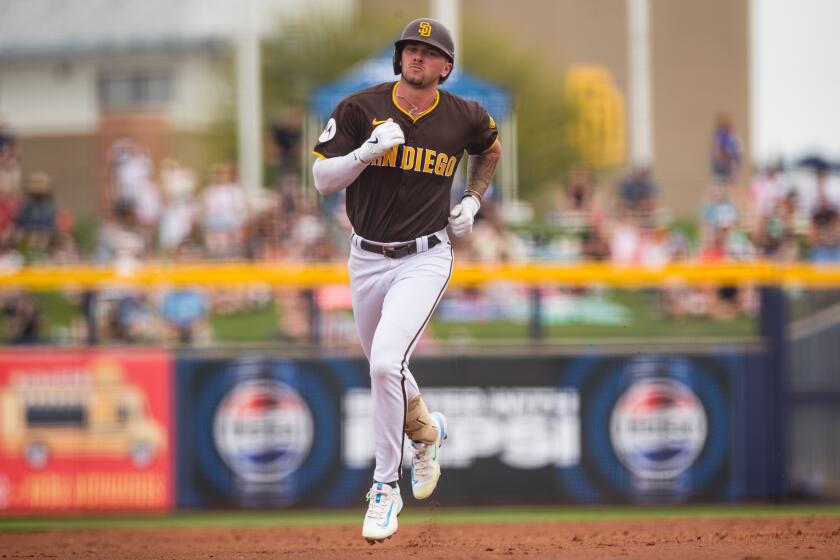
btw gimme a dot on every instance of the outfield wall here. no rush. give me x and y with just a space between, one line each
150 430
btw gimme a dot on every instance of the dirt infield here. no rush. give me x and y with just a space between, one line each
742 539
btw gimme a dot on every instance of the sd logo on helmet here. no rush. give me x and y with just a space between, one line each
430 32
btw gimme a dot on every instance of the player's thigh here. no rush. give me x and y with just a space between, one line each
368 289
409 304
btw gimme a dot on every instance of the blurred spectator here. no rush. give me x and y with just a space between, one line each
825 187
722 301
774 236
578 206
580 191
637 195
120 240
286 135
186 312
625 241
10 202
594 244
64 249
269 230
646 246
294 314
491 241
178 215
655 250
36 221
717 211
224 212
725 150
23 319
148 210
825 227
308 231
133 184
131 171
191 248
177 180
126 317
130 319
766 190
9 159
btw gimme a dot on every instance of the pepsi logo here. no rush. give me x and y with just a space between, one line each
263 430
658 428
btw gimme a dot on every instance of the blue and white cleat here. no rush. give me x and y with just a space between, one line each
384 505
425 461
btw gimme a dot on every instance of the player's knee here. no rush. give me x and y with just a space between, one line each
384 367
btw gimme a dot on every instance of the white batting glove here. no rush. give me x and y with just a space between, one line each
462 216
384 137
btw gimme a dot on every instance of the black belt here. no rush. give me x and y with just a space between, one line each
397 251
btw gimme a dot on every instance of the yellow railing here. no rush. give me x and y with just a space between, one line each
309 274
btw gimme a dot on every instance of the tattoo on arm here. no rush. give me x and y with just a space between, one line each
480 171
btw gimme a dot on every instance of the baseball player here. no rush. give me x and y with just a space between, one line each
395 147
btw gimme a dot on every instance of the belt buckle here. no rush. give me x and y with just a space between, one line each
386 250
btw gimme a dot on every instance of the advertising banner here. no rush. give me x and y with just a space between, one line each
257 432
600 428
85 430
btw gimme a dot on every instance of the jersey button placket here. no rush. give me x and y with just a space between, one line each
404 178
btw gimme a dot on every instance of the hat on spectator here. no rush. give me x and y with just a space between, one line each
37 182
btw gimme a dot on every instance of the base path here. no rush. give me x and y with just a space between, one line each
742 539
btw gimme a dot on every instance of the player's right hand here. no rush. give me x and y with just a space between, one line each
384 137
462 216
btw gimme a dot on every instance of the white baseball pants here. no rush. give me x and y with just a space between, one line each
393 300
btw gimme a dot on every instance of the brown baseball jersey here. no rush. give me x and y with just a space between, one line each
405 193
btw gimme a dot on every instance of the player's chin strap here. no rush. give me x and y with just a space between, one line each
419 425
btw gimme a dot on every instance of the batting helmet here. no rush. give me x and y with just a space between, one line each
430 32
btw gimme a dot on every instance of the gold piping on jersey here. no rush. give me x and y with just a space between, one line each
406 113
322 156
490 147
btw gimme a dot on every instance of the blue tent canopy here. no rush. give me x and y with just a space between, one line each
379 69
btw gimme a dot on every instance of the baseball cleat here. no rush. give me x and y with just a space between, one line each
384 505
425 461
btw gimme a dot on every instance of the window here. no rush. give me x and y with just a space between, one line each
68 416
139 89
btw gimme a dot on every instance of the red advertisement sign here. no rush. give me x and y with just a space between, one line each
85 430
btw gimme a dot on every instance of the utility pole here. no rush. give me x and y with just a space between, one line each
249 100
641 115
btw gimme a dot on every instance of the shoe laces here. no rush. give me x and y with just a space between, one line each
377 510
421 458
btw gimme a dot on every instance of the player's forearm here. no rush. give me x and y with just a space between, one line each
334 174
480 171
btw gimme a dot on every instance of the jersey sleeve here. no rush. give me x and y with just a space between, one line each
342 132
483 130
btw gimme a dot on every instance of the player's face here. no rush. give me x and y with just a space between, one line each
422 65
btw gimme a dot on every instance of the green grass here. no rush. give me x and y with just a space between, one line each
57 310
645 321
520 514
259 325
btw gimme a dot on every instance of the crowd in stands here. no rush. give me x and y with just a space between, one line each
166 210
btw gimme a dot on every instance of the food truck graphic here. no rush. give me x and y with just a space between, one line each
76 412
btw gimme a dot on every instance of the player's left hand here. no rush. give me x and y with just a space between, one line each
462 216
